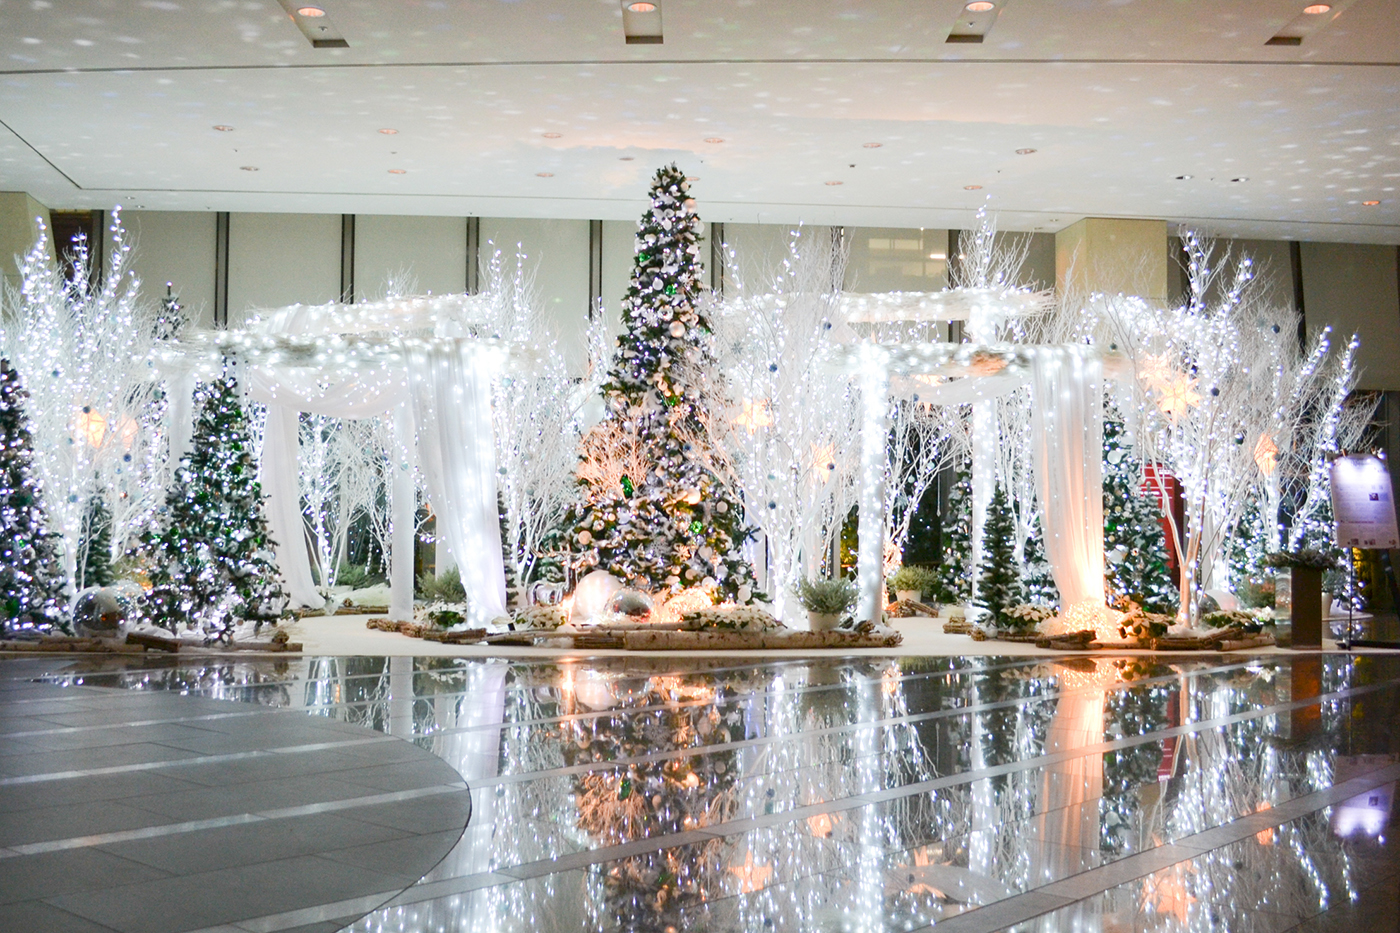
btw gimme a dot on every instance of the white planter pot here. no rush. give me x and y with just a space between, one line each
822 621
1327 604
908 595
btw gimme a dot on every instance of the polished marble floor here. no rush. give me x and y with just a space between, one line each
861 794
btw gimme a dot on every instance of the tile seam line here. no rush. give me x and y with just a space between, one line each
584 717
852 728
174 829
359 703
200 760
749 824
1243 827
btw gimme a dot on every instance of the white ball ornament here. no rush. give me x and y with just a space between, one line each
677 329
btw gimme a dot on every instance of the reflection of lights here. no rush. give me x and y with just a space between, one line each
1365 813
822 824
755 415
91 427
1265 837
751 877
1089 614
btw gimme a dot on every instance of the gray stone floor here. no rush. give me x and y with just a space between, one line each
862 794
154 812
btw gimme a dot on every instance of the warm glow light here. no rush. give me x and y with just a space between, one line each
310 11
756 415
751 877
642 6
1315 8
1266 454
1089 614
980 6
91 427
1265 837
1371 203
1178 396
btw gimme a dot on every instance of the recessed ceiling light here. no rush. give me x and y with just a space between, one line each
692 178
389 132
642 6
223 129
972 187
1024 151
713 139
1371 203
980 6
1240 179
552 135
248 168
1183 177
398 171
310 11
626 158
1316 8
871 145
544 174
834 183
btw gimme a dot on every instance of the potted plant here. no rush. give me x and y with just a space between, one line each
826 601
1305 570
910 583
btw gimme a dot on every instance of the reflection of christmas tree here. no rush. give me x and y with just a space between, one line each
1134 544
95 546
999 585
1130 712
31 574
954 566
647 799
212 558
664 521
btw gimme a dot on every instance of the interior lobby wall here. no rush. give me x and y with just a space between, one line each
556 253
176 247
281 259
421 254
1355 288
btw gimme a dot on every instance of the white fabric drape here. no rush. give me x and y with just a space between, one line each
451 391
180 391
1067 427
278 474
403 516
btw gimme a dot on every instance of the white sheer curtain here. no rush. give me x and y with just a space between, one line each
451 397
1067 424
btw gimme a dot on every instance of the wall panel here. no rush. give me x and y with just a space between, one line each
423 254
281 259
557 252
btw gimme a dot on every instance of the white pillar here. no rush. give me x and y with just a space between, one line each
870 562
403 507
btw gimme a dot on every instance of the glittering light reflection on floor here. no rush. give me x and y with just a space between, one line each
870 794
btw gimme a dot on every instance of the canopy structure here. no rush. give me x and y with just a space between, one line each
1066 382
412 360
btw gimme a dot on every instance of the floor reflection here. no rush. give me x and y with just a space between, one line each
866 794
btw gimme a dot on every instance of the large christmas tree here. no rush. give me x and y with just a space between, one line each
1134 544
212 560
999 585
31 573
653 511
955 560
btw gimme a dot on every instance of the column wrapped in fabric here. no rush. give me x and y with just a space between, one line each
279 475
451 389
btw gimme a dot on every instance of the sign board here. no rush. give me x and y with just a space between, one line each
1363 504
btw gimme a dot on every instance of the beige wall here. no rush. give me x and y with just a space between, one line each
1113 256
281 259
1354 288
18 231
557 252
175 247
422 254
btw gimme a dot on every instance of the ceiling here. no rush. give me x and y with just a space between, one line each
115 101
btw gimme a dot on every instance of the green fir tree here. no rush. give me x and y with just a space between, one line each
999 585
954 570
31 573
674 524
95 545
1135 545
212 561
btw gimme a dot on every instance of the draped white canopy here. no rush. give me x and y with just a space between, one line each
411 360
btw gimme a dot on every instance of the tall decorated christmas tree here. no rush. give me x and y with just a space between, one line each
653 512
999 585
1134 544
212 561
31 572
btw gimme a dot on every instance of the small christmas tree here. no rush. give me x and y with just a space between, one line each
999 585
655 514
31 573
211 556
955 561
170 321
95 546
1135 546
